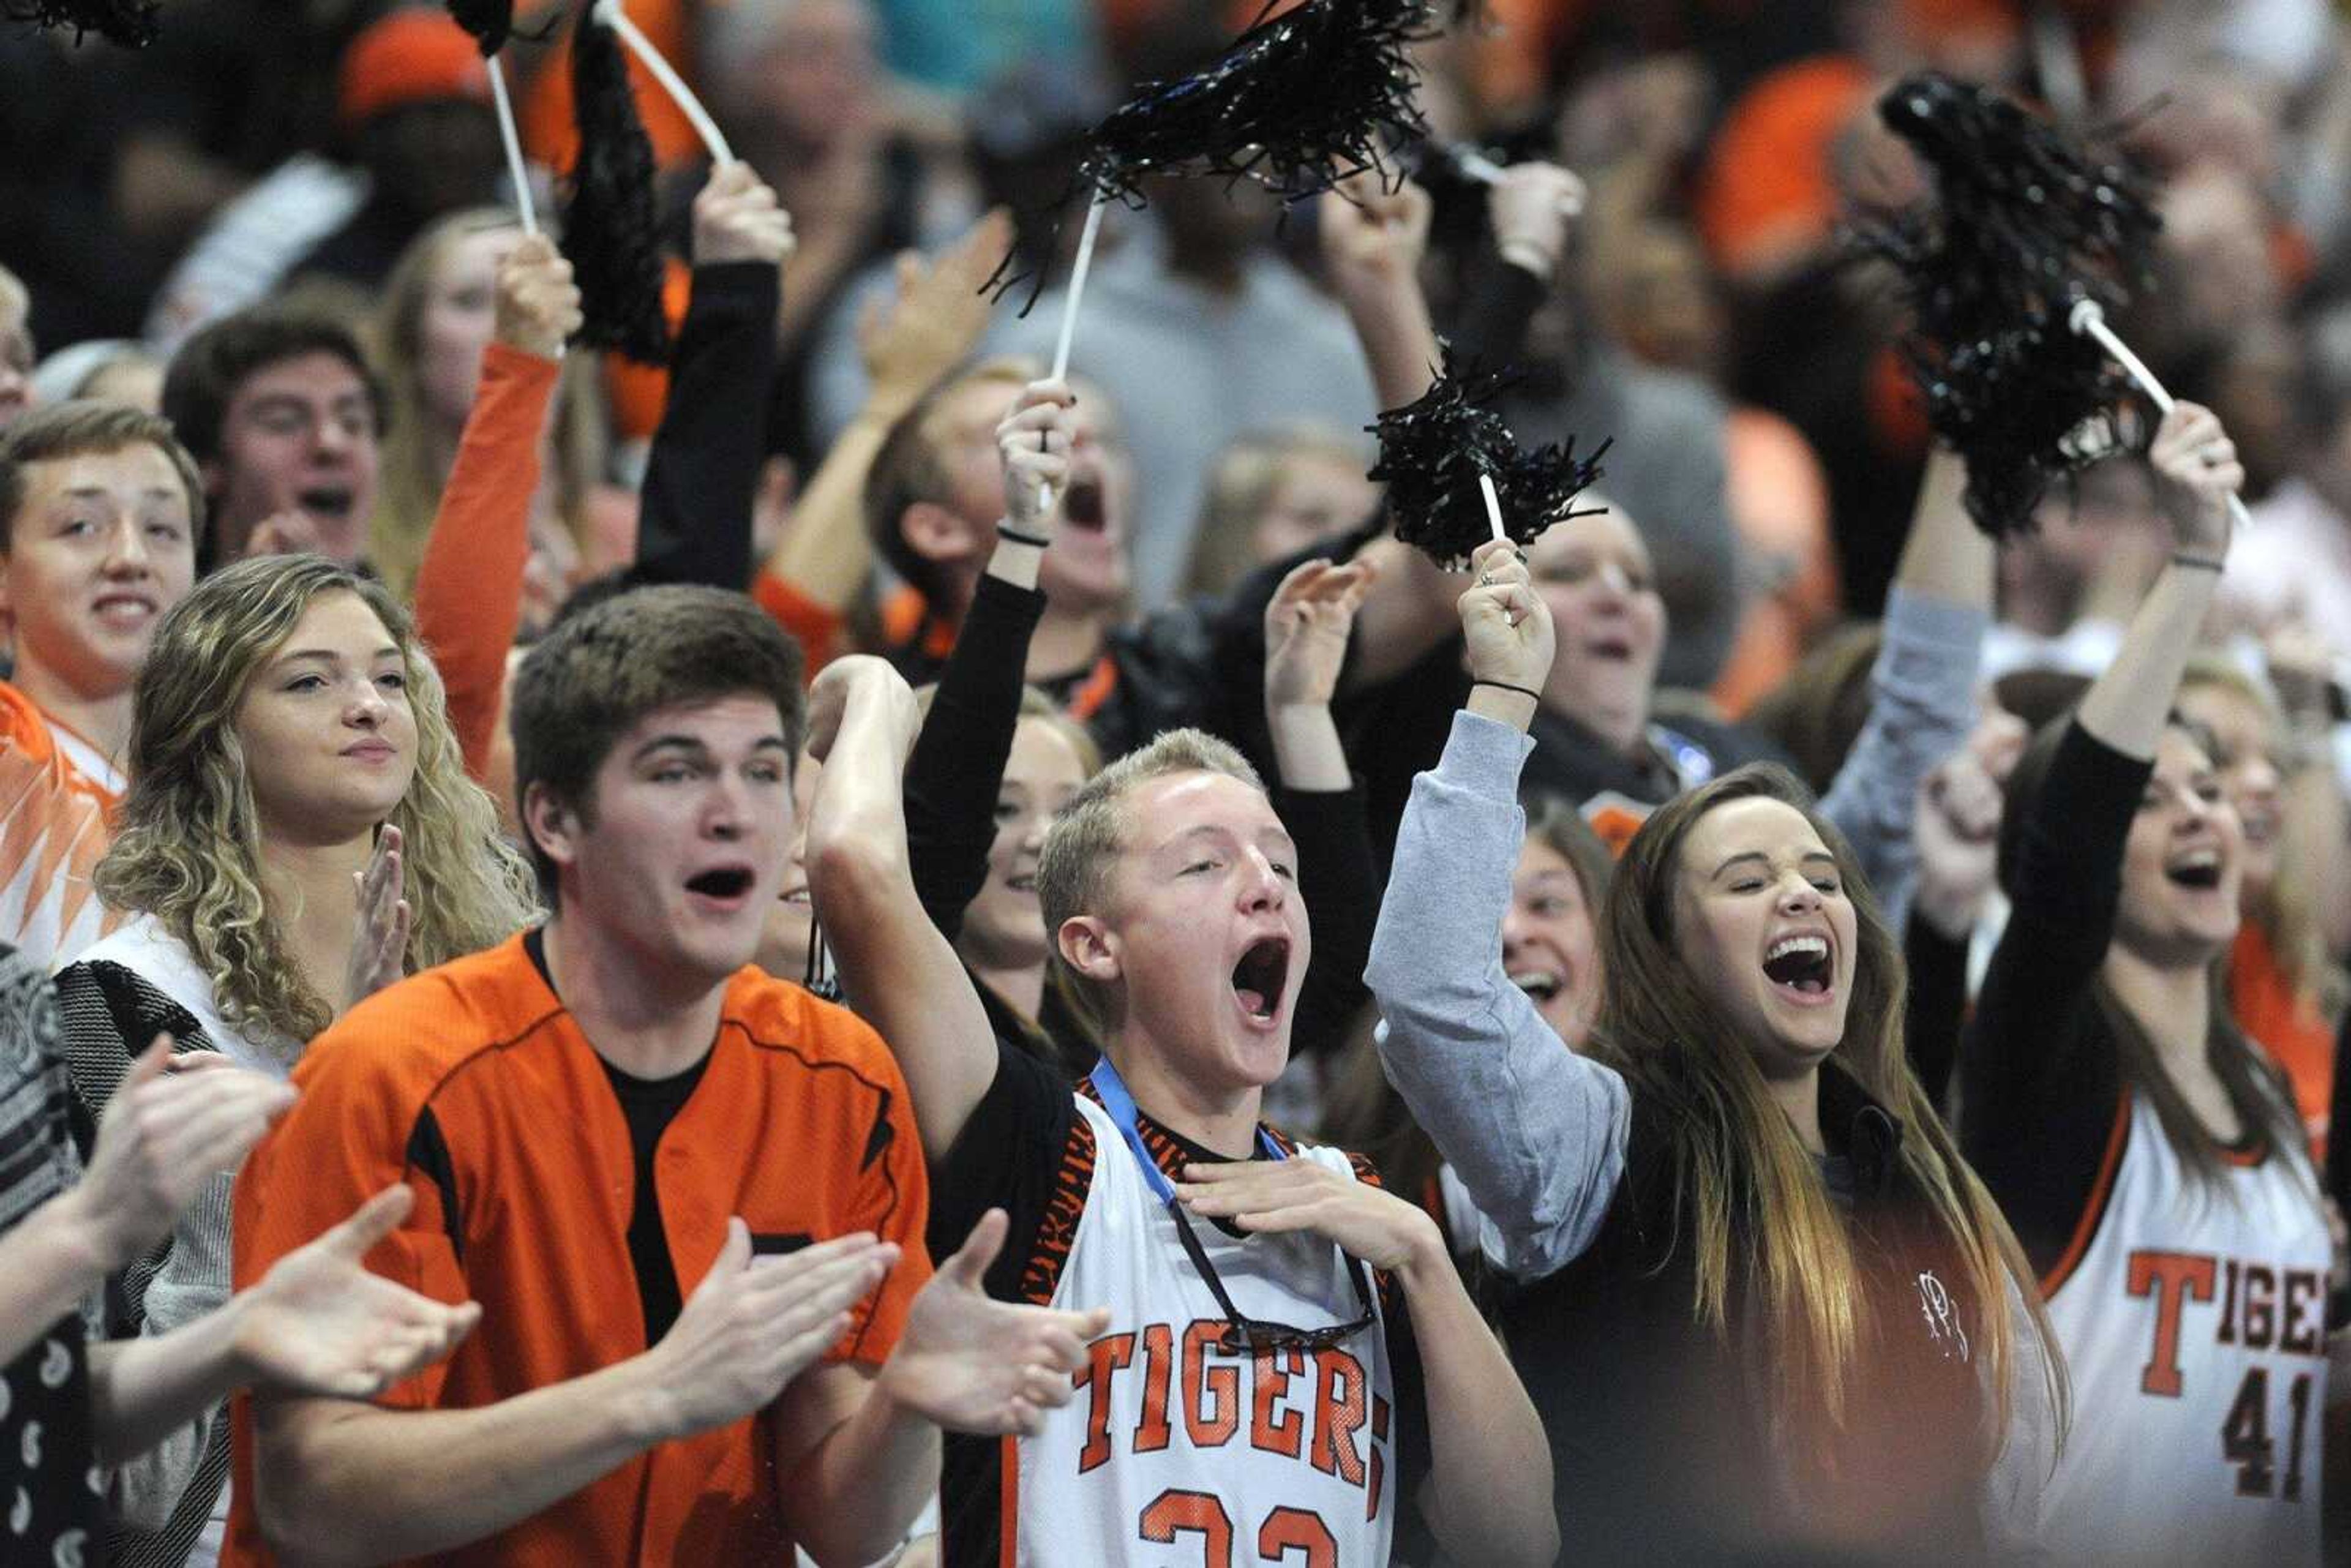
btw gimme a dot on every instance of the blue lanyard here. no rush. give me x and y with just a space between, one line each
1121 1107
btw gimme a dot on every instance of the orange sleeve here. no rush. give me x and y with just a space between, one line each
893 1202
816 626
347 1139
469 588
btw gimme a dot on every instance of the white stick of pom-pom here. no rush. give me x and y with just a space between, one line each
2088 320
1493 506
1078 270
517 169
1475 166
610 13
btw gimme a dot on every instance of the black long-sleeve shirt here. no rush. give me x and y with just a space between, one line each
694 519
2042 1071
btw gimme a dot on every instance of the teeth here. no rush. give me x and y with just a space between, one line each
1787 945
2197 860
1537 982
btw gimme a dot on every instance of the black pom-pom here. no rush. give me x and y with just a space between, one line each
1432 449
2026 223
612 230
129 23
1297 103
489 21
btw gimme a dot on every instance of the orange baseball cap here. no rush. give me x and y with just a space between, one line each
411 57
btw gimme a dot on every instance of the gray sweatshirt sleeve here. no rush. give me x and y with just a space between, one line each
193 1281
1921 706
1536 1132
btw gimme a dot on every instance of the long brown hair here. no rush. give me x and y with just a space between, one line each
2246 1076
188 850
1766 1230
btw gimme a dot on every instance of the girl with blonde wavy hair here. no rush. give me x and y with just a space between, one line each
299 832
1766 1310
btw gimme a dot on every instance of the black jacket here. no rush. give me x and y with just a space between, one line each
1664 1447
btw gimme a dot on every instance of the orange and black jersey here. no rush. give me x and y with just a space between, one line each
474 1084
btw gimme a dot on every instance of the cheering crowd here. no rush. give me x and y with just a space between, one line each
845 945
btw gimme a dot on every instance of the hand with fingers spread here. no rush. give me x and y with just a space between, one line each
737 218
380 939
174 1124
1508 633
537 306
935 319
2197 471
1274 1195
1035 440
319 1323
754 1323
1533 212
974 1365
1956 831
1306 623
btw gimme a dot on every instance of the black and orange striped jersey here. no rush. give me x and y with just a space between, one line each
474 1084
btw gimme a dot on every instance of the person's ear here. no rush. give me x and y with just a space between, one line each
937 534
1090 950
552 825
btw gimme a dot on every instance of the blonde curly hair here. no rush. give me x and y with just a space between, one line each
187 847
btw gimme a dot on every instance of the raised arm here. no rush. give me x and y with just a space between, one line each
1536 1132
694 520
1307 624
2035 1117
932 324
956 768
1922 689
901 975
469 587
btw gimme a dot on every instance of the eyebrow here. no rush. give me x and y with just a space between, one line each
698 746
329 657
1808 858
100 493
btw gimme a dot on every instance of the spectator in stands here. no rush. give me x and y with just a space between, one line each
283 415
16 356
101 513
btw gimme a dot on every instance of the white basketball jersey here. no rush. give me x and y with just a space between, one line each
2194 1321
1175 1454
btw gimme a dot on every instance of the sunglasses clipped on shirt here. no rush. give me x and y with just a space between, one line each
1246 1334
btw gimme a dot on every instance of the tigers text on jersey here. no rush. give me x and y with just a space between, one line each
1176 1453
2194 1323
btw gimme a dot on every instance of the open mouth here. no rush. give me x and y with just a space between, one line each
1082 506
799 895
325 501
1026 882
1801 964
1543 985
1260 977
721 882
2198 870
1615 648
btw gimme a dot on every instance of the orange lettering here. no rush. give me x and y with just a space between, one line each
1277 1431
1158 1362
2172 1278
1339 1415
1107 1356
1215 1388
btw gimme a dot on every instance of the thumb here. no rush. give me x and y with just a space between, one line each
149 1064
969 1265
734 1254
373 1220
